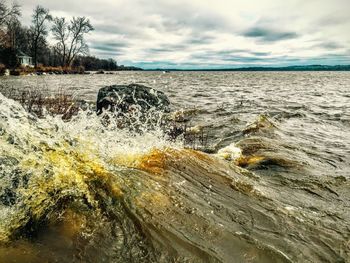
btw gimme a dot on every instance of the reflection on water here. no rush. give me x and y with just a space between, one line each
78 191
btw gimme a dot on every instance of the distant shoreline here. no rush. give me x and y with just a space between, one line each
288 68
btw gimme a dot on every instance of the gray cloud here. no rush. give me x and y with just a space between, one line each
329 45
107 54
159 50
179 15
109 29
231 55
108 46
331 20
167 48
200 39
244 59
269 35
180 33
227 52
261 54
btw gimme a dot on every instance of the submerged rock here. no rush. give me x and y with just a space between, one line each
125 98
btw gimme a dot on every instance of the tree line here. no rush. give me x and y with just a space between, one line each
69 50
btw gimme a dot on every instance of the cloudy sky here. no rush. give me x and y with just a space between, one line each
211 33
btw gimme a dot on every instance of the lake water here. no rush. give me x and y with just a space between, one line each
274 188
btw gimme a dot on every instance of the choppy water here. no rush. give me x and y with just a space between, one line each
80 192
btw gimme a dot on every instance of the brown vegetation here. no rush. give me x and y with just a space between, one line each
58 104
37 103
2 69
25 70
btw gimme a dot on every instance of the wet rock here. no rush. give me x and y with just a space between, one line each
100 72
125 98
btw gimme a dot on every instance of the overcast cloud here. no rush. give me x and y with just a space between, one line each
211 33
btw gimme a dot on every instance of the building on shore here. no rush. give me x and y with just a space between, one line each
24 59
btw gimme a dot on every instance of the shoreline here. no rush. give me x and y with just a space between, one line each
24 71
18 72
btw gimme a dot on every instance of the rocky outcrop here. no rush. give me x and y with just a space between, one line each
125 98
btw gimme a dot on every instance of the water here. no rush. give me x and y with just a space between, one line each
80 192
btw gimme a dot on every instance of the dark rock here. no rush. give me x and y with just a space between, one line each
100 72
124 98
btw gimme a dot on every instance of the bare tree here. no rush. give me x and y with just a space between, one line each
79 26
40 17
13 26
7 14
70 38
61 33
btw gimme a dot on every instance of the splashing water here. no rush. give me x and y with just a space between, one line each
79 190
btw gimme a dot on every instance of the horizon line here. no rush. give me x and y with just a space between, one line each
311 67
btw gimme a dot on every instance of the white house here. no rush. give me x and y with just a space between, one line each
24 59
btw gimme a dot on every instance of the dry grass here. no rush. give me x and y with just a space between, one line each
37 102
25 70
57 104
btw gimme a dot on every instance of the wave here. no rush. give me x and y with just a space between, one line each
81 190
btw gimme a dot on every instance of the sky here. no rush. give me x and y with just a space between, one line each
211 33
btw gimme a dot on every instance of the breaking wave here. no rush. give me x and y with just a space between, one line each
81 190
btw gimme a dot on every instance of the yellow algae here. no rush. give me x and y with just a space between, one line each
69 166
71 173
67 174
226 155
155 161
3 235
245 161
152 161
127 159
115 190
